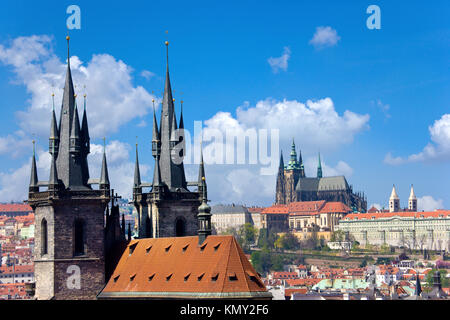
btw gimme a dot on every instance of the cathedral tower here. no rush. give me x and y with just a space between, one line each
394 201
69 255
412 201
169 209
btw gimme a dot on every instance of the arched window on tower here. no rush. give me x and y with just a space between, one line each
180 227
44 237
79 235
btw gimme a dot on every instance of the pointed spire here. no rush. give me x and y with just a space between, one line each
54 133
281 167
71 162
394 193
412 195
181 126
201 169
137 172
129 231
302 167
319 168
104 177
75 132
123 225
33 178
204 216
156 140
85 130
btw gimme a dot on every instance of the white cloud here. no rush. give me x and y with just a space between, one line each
147 74
280 63
428 203
437 150
14 184
383 108
324 37
112 99
315 125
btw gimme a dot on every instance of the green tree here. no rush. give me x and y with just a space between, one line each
290 242
445 282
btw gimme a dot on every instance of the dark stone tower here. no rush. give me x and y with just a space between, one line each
169 209
280 188
69 255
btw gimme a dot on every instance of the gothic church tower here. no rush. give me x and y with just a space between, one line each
169 209
69 254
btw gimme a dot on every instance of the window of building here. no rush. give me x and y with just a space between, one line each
79 234
44 237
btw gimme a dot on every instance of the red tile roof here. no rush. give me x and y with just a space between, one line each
15 207
180 268
418 215
307 208
302 282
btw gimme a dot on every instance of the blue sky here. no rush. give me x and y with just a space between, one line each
395 81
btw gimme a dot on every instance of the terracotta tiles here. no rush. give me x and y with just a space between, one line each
180 265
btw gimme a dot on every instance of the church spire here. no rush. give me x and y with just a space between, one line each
319 168
85 130
204 216
281 167
302 167
137 173
33 178
201 174
412 200
293 163
54 133
53 179
171 174
104 176
71 163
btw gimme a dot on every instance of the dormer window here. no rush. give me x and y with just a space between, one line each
116 278
150 277
200 277
232 276
132 277
168 248
216 247
131 248
185 247
215 276
186 277
147 250
203 247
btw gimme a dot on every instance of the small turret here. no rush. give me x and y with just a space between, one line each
53 183
86 144
53 146
319 168
201 175
302 167
34 177
204 217
156 140
104 177
75 146
137 189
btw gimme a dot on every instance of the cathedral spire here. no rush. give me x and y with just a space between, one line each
53 179
281 167
170 172
319 168
54 133
137 172
85 130
302 167
201 174
71 162
104 176
33 178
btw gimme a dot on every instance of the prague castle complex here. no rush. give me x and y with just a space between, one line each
293 185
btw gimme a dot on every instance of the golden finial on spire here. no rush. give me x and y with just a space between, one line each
203 178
